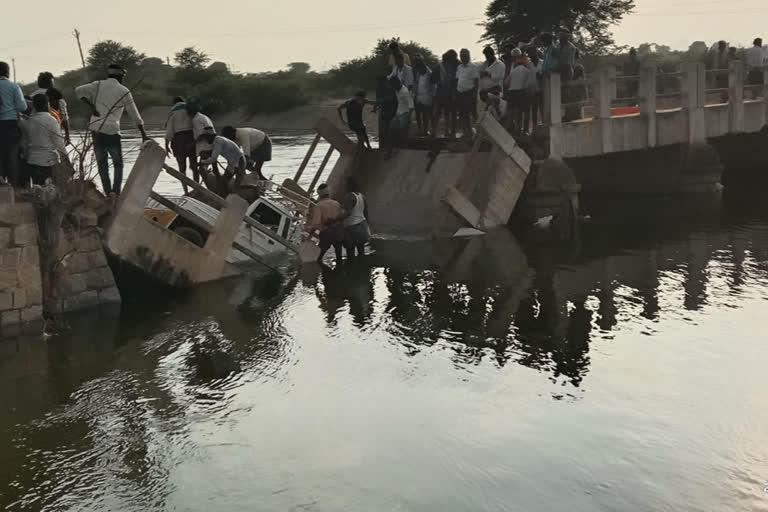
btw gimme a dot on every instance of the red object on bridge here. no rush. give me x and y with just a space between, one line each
625 111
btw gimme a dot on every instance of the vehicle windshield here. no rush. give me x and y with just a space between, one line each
266 215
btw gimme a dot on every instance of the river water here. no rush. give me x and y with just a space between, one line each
288 151
625 372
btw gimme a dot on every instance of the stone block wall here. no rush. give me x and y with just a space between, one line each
82 278
21 295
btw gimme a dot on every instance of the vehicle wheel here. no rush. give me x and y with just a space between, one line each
190 234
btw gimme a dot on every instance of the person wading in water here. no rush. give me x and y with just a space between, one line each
356 230
325 216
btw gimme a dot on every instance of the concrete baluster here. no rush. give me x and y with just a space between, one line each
555 116
694 75
648 102
220 240
130 206
765 92
606 91
736 96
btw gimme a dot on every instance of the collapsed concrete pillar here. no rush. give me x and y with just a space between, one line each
219 243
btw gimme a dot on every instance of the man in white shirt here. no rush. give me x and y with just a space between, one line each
180 139
107 99
424 94
402 71
492 72
467 82
41 142
201 125
755 62
397 134
519 83
56 102
256 145
231 152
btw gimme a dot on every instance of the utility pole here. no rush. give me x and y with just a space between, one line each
13 65
76 33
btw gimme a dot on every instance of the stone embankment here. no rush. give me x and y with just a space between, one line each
49 264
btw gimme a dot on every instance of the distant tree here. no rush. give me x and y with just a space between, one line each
299 68
511 21
412 48
104 53
361 72
191 58
152 61
219 67
698 51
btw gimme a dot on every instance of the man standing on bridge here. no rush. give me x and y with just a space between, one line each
107 99
12 103
755 63
467 82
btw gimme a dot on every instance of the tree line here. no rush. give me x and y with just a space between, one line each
218 89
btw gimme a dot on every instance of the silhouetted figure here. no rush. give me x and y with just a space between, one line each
424 94
756 60
386 106
354 109
444 78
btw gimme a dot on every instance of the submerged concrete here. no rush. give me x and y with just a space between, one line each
159 252
422 192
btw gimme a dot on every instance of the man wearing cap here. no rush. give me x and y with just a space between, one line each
107 99
325 216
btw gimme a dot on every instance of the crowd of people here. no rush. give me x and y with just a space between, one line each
34 133
34 130
509 86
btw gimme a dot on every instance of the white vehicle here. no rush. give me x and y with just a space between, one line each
275 215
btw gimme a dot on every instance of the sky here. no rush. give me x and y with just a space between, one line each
256 35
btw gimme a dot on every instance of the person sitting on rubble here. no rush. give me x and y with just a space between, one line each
235 170
354 108
325 216
357 232
495 104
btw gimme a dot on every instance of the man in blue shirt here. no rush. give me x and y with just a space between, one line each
550 62
12 102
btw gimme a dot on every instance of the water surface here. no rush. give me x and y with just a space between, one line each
623 372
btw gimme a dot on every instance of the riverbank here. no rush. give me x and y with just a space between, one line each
297 119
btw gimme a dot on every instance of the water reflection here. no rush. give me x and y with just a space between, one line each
279 370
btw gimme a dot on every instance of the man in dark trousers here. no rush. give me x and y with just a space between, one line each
107 99
354 108
325 216
12 103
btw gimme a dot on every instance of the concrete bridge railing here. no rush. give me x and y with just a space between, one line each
700 114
